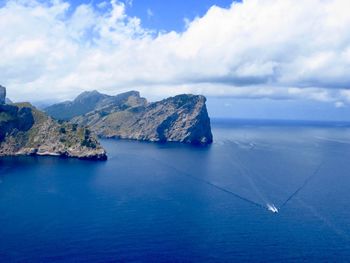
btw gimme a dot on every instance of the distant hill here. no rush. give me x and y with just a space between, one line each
89 101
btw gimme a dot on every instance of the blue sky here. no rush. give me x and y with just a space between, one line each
170 15
166 14
252 59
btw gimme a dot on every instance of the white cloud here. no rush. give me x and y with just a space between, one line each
259 48
339 104
102 5
149 13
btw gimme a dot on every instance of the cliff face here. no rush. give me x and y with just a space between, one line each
2 94
183 118
25 130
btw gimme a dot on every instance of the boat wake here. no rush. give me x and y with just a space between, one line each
269 206
317 170
201 180
332 140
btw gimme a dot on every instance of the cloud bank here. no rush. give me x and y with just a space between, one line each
279 49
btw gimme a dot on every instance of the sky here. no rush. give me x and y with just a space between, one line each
165 15
282 59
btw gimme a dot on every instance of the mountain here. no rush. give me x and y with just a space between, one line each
183 118
92 100
24 130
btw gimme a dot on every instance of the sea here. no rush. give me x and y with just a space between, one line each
264 191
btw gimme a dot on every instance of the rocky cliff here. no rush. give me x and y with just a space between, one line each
24 130
183 118
2 95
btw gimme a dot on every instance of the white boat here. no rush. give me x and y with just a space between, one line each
272 208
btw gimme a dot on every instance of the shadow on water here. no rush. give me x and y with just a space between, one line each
10 164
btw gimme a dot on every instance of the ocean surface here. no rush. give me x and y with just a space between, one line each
179 203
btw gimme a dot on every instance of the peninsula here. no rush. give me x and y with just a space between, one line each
24 130
183 118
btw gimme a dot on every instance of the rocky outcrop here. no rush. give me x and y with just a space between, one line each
24 130
2 95
183 118
13 118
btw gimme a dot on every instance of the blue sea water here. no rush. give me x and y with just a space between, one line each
178 203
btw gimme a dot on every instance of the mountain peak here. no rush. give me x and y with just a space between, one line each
86 95
130 93
92 100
